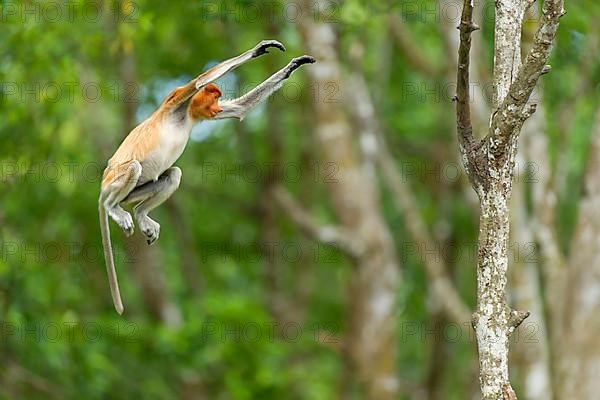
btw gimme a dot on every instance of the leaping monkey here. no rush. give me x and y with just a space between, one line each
141 171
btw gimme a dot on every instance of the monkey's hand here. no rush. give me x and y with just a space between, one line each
262 47
296 63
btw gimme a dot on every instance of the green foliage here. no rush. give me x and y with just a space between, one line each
58 330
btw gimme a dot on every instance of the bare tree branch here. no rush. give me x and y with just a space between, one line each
480 110
478 70
321 233
463 108
511 113
526 286
370 350
579 353
509 16
15 375
413 54
545 199
442 286
490 165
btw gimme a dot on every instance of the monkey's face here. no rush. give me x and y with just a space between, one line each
205 104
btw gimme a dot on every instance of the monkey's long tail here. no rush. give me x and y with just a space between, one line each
110 262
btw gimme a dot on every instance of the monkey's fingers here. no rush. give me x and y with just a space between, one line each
297 62
262 47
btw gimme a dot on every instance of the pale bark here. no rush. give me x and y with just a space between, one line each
532 346
374 147
370 341
571 284
580 360
552 263
489 163
552 259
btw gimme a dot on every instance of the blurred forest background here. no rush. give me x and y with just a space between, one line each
323 248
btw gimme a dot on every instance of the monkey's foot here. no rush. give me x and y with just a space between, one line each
262 47
297 62
149 227
122 218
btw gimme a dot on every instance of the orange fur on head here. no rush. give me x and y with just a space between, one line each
205 103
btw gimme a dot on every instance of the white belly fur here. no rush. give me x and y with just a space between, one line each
173 139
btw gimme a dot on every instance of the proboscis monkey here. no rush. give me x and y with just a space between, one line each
141 171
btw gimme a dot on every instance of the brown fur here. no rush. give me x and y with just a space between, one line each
145 137
205 103
141 141
148 153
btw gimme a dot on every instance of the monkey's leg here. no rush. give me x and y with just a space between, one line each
238 108
149 196
126 177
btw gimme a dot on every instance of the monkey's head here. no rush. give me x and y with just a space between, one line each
205 103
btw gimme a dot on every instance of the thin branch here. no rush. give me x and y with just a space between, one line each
544 197
510 116
526 288
463 109
413 54
544 194
322 233
15 374
516 318
579 349
369 126
441 284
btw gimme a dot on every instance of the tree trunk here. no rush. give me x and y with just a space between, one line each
370 342
492 318
580 352
526 293
490 162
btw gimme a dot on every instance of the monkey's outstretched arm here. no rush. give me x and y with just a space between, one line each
193 86
238 108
